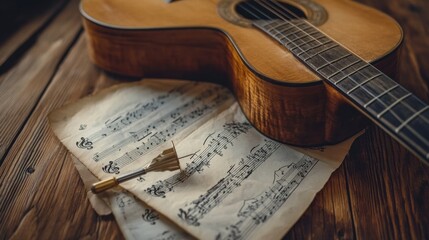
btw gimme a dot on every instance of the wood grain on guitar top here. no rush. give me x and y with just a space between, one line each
279 94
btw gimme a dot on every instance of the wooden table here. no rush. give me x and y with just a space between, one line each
380 191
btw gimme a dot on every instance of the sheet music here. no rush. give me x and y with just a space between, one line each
139 221
235 183
135 219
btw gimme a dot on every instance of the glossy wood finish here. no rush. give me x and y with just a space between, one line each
277 93
379 192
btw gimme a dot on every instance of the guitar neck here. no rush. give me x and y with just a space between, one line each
400 113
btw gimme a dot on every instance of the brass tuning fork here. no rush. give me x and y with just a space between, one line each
166 161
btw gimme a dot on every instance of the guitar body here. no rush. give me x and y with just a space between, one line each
282 98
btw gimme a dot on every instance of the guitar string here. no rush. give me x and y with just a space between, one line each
348 76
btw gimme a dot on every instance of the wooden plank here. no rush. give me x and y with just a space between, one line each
388 188
22 86
30 18
42 195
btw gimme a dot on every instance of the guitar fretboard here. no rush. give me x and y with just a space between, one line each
388 104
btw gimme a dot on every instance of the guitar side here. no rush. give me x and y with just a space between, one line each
279 95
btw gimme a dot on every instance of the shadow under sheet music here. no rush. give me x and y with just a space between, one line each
234 182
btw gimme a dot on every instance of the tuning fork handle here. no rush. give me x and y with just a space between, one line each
103 185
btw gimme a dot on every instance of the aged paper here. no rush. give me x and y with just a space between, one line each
235 182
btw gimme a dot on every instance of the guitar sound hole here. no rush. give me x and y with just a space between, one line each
268 10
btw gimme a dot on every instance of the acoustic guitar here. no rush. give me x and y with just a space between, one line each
301 70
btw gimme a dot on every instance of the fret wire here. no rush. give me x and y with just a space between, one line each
282 31
387 91
299 46
393 104
276 22
419 136
380 95
348 75
411 118
362 83
334 61
313 47
298 23
279 24
266 24
394 114
305 29
283 41
282 23
298 38
315 39
288 34
324 50
311 33
344 68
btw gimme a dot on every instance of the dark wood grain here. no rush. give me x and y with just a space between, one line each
40 187
387 189
380 192
28 16
23 85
